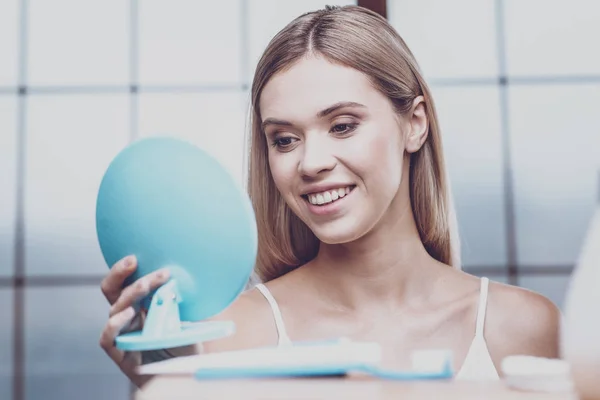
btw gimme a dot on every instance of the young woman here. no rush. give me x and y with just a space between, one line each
356 226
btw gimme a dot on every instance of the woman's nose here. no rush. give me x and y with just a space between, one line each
317 157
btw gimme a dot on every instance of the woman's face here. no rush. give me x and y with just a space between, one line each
336 147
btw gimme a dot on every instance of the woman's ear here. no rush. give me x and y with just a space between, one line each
418 125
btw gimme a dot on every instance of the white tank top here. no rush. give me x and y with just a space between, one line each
478 364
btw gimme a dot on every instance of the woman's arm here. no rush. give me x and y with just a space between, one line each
521 322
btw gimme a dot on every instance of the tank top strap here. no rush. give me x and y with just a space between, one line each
279 325
481 308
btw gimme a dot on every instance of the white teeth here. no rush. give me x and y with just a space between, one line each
328 196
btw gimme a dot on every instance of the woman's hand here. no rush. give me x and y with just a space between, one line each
122 312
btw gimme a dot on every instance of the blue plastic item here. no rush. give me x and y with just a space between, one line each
321 370
172 205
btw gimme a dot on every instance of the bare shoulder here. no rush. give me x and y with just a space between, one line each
520 321
253 320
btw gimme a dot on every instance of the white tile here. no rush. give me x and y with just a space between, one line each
553 287
555 148
8 184
62 357
267 17
471 133
9 42
74 42
552 37
189 42
450 39
71 140
6 343
215 122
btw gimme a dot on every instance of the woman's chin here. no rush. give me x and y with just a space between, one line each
336 233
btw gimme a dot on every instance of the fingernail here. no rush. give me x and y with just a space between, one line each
129 262
163 274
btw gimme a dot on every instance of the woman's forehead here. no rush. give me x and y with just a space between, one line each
311 85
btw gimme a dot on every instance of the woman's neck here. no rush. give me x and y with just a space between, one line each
387 267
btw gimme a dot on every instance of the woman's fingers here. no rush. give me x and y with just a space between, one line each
111 331
112 284
139 289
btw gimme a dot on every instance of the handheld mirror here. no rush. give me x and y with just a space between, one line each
172 205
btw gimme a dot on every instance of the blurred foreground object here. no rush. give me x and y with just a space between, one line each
537 374
581 329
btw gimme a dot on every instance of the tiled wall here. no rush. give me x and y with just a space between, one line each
517 86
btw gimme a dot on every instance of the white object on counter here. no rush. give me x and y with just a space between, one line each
537 374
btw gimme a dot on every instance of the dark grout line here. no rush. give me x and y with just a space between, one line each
554 80
504 80
134 109
51 281
460 82
19 250
18 383
509 196
74 90
528 270
134 70
192 88
23 47
93 89
509 212
133 42
434 82
245 44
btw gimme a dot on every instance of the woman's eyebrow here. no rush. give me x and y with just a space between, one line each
336 106
320 114
274 121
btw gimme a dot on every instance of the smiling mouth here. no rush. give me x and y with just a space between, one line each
328 196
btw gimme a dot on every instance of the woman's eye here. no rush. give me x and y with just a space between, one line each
343 128
283 142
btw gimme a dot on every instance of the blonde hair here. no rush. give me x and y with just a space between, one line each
361 39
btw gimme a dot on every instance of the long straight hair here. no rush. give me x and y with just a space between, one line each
358 38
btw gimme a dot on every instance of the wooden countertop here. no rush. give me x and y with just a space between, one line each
184 387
